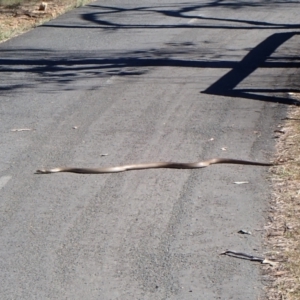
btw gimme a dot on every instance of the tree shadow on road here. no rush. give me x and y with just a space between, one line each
66 70
256 58
107 17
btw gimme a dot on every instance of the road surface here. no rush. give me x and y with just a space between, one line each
119 82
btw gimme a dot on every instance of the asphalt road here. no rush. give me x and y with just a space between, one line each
120 82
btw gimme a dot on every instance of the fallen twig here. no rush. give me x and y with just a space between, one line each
242 255
21 129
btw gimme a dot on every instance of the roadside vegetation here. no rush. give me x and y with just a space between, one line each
18 16
283 230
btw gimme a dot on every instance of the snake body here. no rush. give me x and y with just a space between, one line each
154 165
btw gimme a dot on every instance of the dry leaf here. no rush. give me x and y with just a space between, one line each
279 273
21 129
271 263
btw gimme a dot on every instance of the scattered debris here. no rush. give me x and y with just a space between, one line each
224 148
75 127
21 129
242 255
244 232
104 154
241 182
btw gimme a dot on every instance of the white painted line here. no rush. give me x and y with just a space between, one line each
4 180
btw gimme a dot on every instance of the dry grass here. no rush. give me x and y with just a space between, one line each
18 16
283 230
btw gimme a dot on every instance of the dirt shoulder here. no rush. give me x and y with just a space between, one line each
283 229
16 18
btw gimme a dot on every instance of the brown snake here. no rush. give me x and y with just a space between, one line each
154 165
